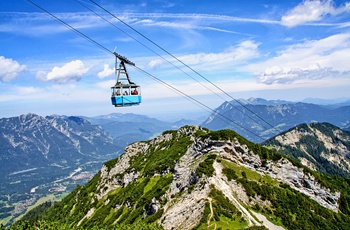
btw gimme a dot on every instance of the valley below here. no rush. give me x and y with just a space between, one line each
22 190
46 158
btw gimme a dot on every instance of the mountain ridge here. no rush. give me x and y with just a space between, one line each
273 117
320 146
194 178
128 128
121 122
21 135
47 155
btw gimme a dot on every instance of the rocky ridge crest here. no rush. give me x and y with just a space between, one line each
184 202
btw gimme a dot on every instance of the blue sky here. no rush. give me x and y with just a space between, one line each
289 50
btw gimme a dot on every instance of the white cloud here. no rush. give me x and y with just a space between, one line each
26 90
310 11
39 25
195 18
72 71
278 75
245 50
107 71
105 84
154 64
234 56
9 69
229 60
13 92
311 60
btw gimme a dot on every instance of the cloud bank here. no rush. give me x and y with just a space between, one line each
107 71
9 69
310 60
311 11
278 75
232 56
72 71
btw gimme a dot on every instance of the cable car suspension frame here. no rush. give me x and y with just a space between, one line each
124 92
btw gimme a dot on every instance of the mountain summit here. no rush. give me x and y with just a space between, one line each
320 146
266 119
194 178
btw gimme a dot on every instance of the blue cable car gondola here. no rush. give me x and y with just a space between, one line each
124 92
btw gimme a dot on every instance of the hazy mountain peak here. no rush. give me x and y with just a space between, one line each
268 118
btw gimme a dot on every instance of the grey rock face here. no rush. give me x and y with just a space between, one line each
188 193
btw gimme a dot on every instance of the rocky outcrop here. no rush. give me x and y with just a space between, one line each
186 211
110 179
286 172
283 170
320 146
184 202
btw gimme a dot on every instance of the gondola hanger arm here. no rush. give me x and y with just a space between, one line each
124 59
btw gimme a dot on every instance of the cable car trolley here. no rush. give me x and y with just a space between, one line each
124 92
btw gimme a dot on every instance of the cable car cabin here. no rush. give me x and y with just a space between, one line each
124 92
126 95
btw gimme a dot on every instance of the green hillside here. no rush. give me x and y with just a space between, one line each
194 178
323 146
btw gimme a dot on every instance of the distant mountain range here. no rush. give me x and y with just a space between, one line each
328 102
128 128
47 155
258 120
50 155
30 141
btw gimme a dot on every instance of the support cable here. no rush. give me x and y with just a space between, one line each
196 101
72 28
88 8
217 87
145 72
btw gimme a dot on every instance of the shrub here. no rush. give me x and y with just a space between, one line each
230 173
206 167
